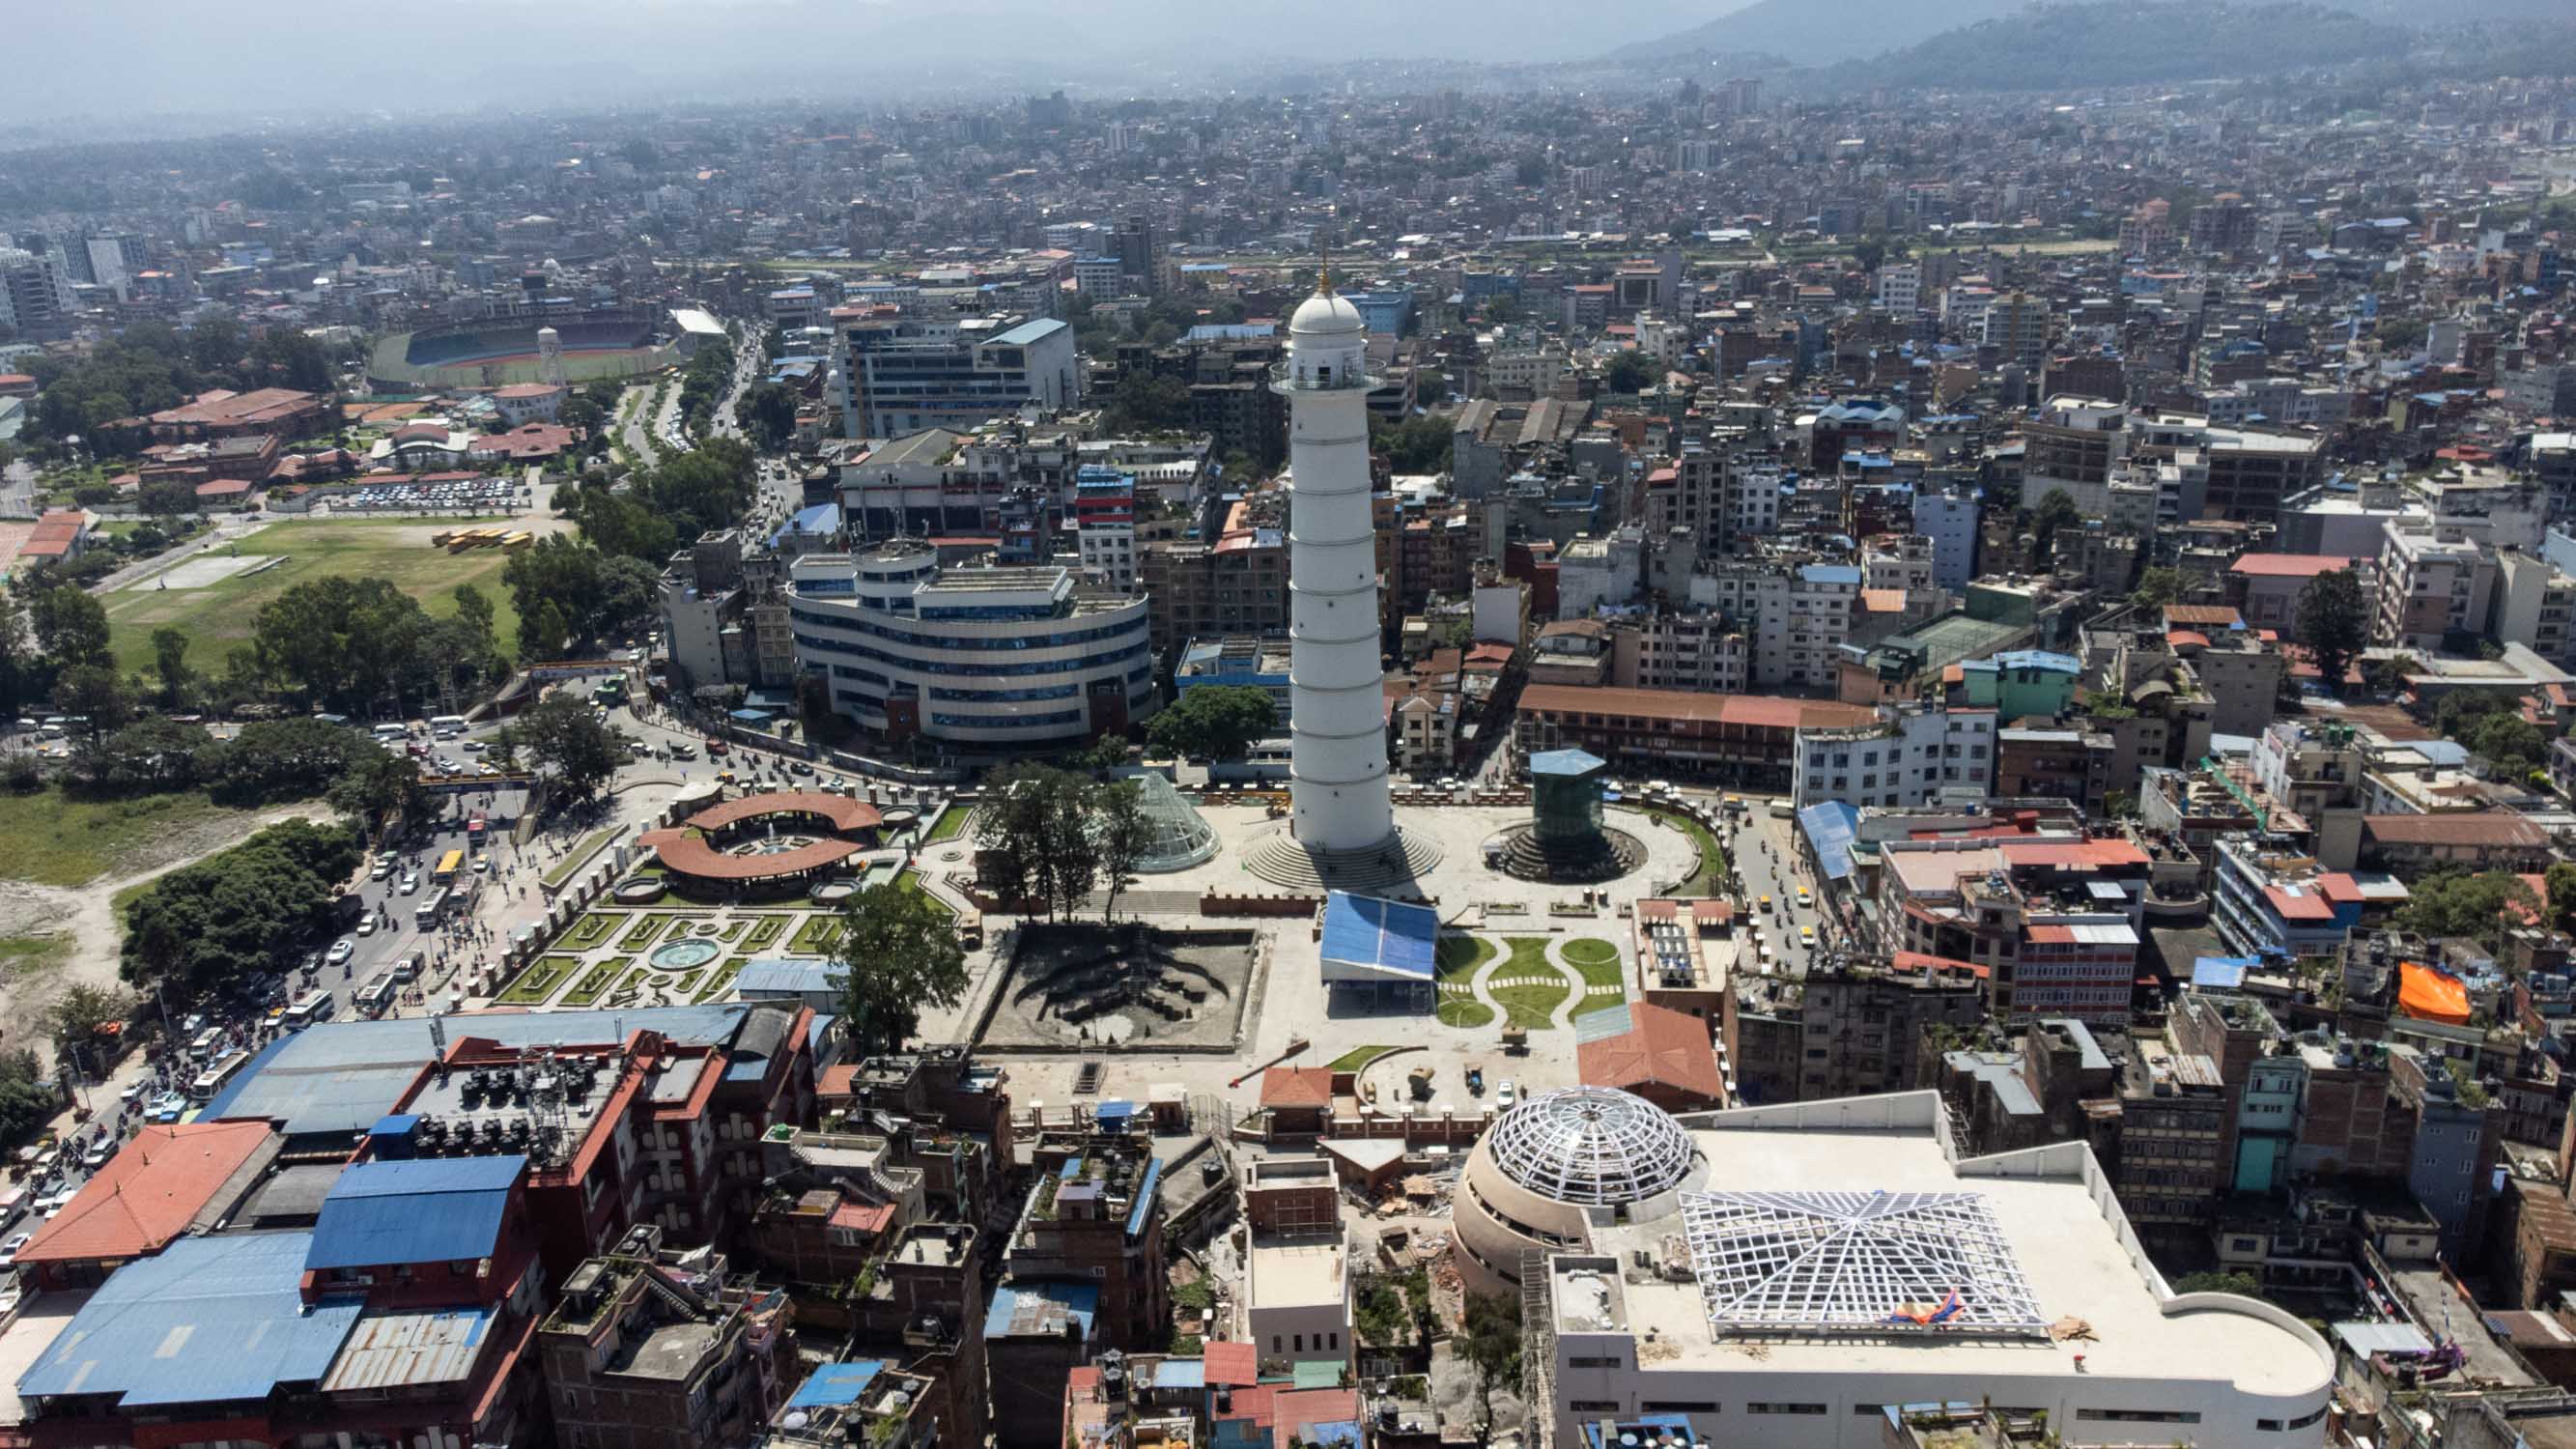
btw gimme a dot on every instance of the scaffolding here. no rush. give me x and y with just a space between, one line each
1857 1262
1593 1146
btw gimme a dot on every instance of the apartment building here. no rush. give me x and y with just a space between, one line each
899 374
1910 756
2433 582
2055 919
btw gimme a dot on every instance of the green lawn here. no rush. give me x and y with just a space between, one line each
641 934
24 956
218 617
815 937
911 880
1455 962
585 992
1358 1057
582 853
1595 960
1529 1007
1712 859
765 930
950 824
66 840
540 980
592 931
722 979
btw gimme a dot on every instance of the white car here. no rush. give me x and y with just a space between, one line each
9 1249
366 925
379 871
1506 1094
342 950
410 882
473 747
98 1154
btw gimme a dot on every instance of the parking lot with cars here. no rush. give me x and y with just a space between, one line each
468 495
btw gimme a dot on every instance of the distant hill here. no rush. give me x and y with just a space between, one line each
1825 32
1821 32
2118 42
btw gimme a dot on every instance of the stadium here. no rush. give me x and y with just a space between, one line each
495 351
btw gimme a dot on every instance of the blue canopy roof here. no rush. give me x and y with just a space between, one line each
434 1210
751 716
1829 825
1564 762
1378 937
2220 971
1041 1308
836 1383
208 1320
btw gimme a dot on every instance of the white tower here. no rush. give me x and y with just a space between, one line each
1337 694
550 363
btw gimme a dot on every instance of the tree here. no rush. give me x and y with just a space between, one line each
900 954
170 662
1490 1341
70 624
1627 372
2056 510
285 759
1214 721
76 1015
165 499
2560 883
2510 744
767 413
25 1103
2482 906
375 790
1121 832
152 753
1033 838
95 693
2240 1284
2334 623
238 913
561 736
1146 403
2160 586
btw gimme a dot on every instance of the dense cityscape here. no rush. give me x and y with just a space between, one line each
1856 727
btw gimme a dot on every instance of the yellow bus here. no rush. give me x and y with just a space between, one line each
448 865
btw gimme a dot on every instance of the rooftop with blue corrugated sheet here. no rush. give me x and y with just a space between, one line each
431 1210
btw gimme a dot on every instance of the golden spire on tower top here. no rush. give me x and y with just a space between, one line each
1324 280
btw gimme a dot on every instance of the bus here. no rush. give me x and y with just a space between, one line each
376 995
309 1008
431 909
214 1078
445 726
448 865
610 693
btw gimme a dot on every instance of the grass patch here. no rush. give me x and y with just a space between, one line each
592 931
594 981
720 982
1712 857
765 931
950 824
572 865
540 980
815 937
729 931
219 616
1454 963
641 934
1596 961
632 985
1529 1006
1358 1057
25 956
687 982
910 880
56 839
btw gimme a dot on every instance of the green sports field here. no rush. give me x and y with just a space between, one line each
218 616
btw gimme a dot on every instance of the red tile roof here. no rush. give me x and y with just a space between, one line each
1662 1047
150 1192
1231 1365
1297 1087
2288 565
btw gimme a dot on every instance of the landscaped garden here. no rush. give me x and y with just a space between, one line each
1597 962
539 981
1455 962
592 931
1533 988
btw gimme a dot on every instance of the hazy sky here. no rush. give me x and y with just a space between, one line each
144 57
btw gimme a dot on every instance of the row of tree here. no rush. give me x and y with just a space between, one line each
265 762
150 366
239 913
1052 836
